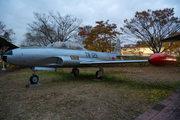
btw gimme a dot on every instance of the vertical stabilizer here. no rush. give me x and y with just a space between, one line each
117 49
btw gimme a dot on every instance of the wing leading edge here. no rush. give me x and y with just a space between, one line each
112 62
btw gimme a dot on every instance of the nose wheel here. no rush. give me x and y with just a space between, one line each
34 79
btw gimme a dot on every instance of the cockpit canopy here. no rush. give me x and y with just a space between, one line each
66 45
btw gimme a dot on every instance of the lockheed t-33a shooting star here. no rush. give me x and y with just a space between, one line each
64 54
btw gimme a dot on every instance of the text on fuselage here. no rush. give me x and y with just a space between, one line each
91 55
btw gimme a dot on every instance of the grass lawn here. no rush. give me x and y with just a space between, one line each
125 93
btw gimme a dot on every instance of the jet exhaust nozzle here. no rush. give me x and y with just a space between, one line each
159 59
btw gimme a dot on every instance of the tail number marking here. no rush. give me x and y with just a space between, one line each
91 55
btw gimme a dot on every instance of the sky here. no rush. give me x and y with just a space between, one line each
16 14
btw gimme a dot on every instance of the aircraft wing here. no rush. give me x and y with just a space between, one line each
171 39
156 59
112 62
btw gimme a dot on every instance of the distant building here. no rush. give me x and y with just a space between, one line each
144 51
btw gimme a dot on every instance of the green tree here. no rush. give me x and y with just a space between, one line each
102 37
83 34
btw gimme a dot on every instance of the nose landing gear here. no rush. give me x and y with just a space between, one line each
33 79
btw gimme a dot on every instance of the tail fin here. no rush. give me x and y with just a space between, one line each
117 49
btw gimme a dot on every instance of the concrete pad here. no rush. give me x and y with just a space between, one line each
98 79
33 85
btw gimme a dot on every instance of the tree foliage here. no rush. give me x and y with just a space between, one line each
8 34
152 26
51 28
83 34
101 37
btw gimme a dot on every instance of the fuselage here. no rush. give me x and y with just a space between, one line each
54 56
64 54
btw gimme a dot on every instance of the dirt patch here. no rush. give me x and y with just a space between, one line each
7 71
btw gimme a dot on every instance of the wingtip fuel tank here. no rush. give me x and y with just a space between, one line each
159 59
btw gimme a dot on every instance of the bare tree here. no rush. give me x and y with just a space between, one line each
66 26
152 26
8 34
51 28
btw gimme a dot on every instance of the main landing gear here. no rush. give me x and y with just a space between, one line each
100 73
75 71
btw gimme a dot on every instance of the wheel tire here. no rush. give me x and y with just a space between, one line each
34 79
76 72
97 73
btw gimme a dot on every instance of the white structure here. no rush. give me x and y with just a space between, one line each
143 51
3 67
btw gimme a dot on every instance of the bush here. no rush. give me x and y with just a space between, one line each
7 65
178 59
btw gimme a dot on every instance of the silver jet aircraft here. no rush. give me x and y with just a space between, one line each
64 54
